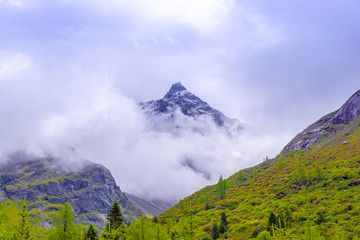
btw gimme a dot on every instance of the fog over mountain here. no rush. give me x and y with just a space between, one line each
73 72
115 131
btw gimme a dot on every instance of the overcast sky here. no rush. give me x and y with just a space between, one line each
69 68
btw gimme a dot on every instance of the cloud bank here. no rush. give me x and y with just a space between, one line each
71 73
110 128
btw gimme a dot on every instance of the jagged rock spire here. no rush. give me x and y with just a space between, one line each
176 87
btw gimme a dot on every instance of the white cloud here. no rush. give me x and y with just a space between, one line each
12 3
202 15
13 64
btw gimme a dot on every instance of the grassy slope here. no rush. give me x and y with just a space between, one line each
322 179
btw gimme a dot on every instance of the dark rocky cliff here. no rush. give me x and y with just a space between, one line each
90 189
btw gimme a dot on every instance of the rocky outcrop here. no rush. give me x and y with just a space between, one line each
179 98
348 112
327 125
90 190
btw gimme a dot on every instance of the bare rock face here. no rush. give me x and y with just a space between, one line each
178 98
91 189
348 112
327 125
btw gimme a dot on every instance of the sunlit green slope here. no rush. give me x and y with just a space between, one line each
313 190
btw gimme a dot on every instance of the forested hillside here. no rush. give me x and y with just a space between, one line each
312 193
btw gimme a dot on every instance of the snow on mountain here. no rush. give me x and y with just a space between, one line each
181 109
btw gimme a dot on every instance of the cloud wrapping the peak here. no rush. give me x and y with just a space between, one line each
71 73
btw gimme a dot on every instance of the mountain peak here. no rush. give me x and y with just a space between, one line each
175 88
179 98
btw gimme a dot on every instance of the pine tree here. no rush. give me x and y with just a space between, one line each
65 223
155 220
241 177
207 207
114 217
221 188
223 223
114 228
215 232
91 234
271 222
23 228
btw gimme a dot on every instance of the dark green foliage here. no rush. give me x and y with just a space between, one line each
114 217
215 234
320 219
256 232
155 220
241 177
91 234
207 207
271 222
221 188
114 229
223 223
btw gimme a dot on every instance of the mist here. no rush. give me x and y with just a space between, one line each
73 72
106 127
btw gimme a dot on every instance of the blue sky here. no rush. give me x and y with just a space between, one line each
277 66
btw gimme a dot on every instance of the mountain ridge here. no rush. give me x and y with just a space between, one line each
178 97
90 189
312 190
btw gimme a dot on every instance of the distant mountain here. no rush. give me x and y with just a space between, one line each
311 190
150 206
327 125
47 183
179 101
180 110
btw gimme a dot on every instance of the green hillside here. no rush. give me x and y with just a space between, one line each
312 192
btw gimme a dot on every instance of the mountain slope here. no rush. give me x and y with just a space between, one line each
46 184
178 100
327 125
312 190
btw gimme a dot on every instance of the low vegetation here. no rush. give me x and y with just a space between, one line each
312 193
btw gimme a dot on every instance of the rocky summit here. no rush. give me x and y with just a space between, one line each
178 98
47 184
327 125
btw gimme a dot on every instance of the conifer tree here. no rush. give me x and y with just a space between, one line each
215 232
223 223
155 220
64 223
221 188
114 217
207 207
271 222
91 234
241 176
114 228
23 228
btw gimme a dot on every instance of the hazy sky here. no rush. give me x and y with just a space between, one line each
71 73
